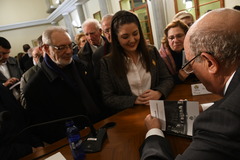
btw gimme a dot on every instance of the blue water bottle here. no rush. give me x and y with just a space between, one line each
75 141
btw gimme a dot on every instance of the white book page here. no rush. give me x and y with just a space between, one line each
157 110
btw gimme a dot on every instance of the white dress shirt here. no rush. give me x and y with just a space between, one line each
138 79
4 70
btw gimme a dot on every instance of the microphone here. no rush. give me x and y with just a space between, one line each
92 143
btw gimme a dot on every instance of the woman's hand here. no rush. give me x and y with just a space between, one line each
148 95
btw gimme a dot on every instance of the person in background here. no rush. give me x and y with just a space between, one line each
133 73
173 52
36 54
12 144
185 17
100 52
216 63
26 60
92 30
80 40
37 59
18 57
60 88
10 73
105 49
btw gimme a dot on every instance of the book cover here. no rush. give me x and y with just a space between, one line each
176 117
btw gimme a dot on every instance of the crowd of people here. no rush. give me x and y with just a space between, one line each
111 67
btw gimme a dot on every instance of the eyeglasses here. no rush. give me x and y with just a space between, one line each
187 67
178 36
63 47
107 31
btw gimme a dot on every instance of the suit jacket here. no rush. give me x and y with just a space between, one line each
117 92
12 145
13 69
96 57
86 54
26 62
216 132
50 96
24 80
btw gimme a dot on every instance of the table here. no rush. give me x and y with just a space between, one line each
125 139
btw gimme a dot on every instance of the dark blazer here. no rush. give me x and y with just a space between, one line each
24 80
49 96
13 69
117 92
86 53
216 132
96 57
26 62
12 145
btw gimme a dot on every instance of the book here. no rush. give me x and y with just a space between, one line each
176 117
15 85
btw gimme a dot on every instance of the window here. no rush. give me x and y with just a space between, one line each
198 7
140 8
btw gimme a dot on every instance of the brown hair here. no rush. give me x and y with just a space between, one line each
173 24
78 37
118 55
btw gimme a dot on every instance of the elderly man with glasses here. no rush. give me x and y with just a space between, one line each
60 88
213 50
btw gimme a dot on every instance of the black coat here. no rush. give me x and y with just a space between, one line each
49 96
12 145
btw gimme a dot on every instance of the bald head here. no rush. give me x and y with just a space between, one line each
212 34
216 20
214 39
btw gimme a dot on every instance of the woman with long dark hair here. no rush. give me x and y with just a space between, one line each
133 73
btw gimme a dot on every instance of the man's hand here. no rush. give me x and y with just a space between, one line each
11 81
152 122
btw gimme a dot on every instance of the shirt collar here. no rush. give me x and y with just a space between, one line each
228 82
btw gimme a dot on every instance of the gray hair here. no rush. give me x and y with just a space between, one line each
223 45
91 21
107 16
46 35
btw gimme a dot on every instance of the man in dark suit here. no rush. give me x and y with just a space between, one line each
60 88
26 61
213 50
10 73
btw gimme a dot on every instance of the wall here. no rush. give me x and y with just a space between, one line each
14 11
92 6
29 11
231 3
22 36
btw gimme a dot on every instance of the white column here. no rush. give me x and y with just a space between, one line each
105 7
158 16
79 8
68 22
